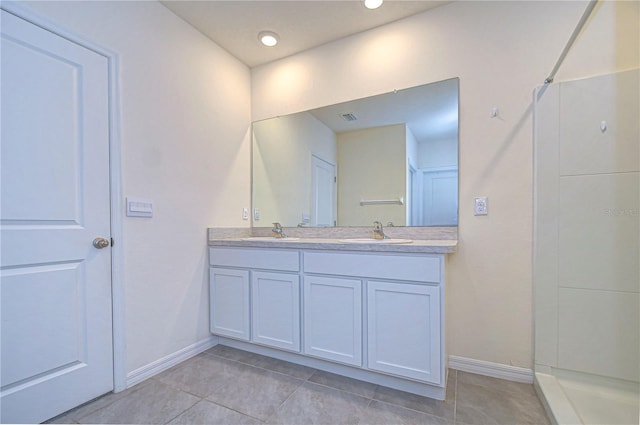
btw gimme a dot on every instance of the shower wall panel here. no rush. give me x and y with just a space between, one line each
587 226
584 105
598 232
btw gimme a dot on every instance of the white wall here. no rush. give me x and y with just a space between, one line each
282 152
500 51
438 153
372 165
185 118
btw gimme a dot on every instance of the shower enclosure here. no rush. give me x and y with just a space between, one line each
586 248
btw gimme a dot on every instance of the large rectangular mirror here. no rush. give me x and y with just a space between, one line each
391 158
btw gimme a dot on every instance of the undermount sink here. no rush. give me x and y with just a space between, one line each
270 239
377 241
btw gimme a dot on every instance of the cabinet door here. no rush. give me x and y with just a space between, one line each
229 302
404 330
333 319
276 310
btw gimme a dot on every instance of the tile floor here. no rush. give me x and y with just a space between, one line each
228 386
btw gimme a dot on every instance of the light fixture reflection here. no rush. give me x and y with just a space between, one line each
268 38
372 4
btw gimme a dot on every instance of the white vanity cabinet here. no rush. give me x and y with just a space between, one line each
229 302
275 310
404 329
374 316
255 296
403 308
333 319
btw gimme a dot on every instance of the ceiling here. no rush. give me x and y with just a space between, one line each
301 24
430 111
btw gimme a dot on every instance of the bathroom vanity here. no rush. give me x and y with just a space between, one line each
369 310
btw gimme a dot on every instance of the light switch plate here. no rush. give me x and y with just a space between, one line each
139 207
256 214
245 214
480 206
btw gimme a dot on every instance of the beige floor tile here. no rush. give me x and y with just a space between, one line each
444 409
65 418
199 374
256 392
483 400
155 403
240 393
234 354
205 412
379 413
75 415
291 369
317 404
264 362
364 389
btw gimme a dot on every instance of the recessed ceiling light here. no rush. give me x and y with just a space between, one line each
268 38
373 4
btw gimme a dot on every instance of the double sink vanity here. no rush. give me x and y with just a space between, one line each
330 295
349 304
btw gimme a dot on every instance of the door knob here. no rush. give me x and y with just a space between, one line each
100 243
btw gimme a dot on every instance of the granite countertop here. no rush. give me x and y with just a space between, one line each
435 246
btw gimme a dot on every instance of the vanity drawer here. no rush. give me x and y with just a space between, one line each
419 268
255 258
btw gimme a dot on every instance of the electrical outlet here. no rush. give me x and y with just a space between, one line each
480 206
245 214
256 214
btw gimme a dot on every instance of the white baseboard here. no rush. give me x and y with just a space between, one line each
169 361
495 370
479 367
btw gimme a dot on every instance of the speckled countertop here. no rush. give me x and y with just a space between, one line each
248 239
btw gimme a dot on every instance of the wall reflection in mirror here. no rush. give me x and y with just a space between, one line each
391 158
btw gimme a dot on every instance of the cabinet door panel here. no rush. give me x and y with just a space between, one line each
276 310
333 319
229 302
404 330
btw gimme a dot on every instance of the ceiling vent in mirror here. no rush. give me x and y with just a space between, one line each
349 117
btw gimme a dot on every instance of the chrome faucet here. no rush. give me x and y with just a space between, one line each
278 230
378 231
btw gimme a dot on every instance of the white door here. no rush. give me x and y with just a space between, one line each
323 192
56 286
414 198
440 190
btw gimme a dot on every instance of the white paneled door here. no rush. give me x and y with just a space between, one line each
440 198
323 192
56 330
